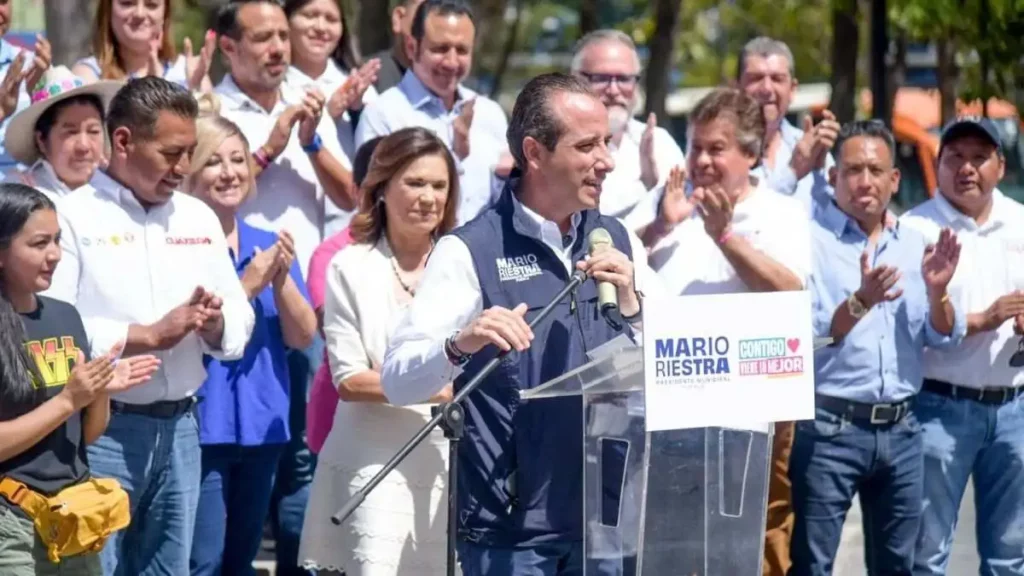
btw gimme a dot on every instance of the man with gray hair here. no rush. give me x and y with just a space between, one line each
795 161
644 154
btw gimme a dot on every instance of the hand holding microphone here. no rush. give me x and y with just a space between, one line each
613 272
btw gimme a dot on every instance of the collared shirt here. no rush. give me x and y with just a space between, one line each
811 190
991 265
289 195
690 262
623 192
8 52
42 177
125 265
880 359
411 103
449 297
245 401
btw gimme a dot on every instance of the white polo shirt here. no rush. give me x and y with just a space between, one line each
689 261
288 196
991 265
623 194
122 265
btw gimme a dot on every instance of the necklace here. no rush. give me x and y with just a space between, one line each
410 290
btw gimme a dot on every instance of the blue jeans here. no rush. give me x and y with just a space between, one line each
295 471
552 559
233 502
964 438
834 459
157 462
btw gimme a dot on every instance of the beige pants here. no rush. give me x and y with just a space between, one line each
779 528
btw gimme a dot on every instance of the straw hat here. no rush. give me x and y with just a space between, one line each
57 84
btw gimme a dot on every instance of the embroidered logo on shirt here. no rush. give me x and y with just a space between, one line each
518 268
188 240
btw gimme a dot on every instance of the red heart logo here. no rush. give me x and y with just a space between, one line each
793 344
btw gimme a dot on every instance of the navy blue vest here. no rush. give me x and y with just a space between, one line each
521 464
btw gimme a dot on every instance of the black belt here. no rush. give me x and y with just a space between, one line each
993 396
165 409
873 413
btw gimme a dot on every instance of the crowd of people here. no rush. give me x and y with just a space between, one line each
225 306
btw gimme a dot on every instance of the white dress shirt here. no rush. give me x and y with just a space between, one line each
411 103
289 195
42 177
449 298
690 262
991 265
124 265
623 190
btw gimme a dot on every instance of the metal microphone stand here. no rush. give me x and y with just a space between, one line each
451 417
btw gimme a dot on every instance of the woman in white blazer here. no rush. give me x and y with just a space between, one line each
408 200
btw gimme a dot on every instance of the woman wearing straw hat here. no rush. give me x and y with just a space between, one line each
60 137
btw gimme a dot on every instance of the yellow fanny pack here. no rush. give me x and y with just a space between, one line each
77 520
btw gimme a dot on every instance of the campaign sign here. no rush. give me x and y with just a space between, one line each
728 360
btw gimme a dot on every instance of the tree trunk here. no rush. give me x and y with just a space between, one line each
948 76
897 71
666 18
374 27
507 50
69 30
845 45
588 16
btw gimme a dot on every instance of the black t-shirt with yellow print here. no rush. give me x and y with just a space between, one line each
54 334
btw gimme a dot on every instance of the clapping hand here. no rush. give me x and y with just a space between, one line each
10 87
197 67
648 163
88 380
285 256
716 208
461 126
940 261
261 270
811 150
675 206
309 119
876 284
40 63
131 371
349 96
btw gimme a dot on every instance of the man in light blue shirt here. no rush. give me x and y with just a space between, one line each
795 162
431 95
880 293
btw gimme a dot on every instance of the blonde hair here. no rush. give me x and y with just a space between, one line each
211 131
209 103
107 51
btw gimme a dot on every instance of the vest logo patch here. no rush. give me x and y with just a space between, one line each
518 268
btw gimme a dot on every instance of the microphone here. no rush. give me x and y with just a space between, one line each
607 294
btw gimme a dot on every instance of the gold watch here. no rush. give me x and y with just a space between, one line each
857 308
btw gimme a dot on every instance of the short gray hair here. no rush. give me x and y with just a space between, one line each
764 47
533 115
597 37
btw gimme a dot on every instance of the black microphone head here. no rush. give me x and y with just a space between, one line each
598 239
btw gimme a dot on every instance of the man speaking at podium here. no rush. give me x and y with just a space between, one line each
521 464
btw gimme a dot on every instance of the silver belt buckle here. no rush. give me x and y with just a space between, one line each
875 419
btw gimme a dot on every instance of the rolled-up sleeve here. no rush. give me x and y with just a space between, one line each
345 350
415 366
236 309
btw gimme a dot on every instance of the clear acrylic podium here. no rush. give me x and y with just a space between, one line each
668 503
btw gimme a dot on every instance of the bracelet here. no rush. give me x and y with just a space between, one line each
725 236
261 158
314 146
632 319
452 352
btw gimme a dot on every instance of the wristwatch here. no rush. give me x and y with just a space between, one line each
453 354
857 308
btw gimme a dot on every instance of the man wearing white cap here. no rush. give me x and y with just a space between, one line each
60 136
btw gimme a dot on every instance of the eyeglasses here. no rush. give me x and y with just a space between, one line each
602 80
